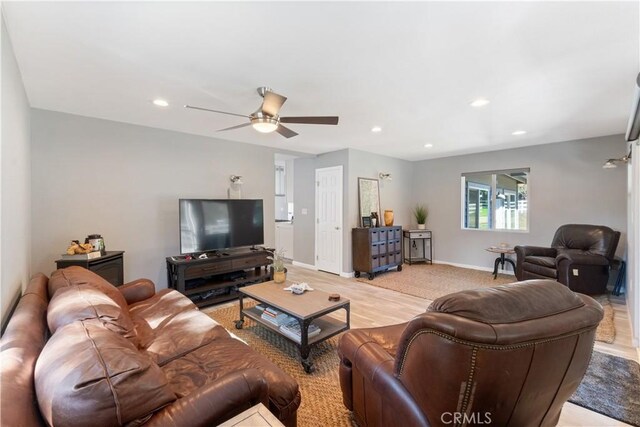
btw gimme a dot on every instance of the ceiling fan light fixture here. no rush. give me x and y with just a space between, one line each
264 124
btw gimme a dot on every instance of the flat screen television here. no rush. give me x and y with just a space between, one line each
209 225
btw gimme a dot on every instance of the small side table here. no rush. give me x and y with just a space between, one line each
109 266
410 238
256 416
501 259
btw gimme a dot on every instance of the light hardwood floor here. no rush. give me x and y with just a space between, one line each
373 306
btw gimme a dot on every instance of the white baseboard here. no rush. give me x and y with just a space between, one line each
474 267
303 265
347 275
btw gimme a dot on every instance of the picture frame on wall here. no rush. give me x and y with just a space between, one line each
366 221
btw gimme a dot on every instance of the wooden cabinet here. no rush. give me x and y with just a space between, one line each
109 266
217 279
376 249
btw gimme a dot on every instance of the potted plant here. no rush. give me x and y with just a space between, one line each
277 266
420 212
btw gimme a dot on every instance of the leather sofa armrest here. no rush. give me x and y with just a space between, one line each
525 251
535 251
137 290
582 259
358 351
216 402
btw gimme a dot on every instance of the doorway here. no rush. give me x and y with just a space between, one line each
329 192
284 232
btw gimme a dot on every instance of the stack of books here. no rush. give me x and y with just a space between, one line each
292 329
274 316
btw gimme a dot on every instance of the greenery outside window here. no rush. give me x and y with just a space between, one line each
496 200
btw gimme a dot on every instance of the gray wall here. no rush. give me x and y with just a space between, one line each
394 194
567 185
124 181
304 197
15 155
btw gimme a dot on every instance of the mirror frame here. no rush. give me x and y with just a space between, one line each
360 194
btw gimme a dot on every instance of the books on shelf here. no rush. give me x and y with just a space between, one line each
274 316
292 329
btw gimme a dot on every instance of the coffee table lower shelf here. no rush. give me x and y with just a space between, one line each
329 327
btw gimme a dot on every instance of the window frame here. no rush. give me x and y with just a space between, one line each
466 183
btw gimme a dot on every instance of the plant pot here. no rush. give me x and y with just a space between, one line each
422 226
278 276
388 218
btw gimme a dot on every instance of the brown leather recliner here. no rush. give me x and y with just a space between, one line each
505 356
580 257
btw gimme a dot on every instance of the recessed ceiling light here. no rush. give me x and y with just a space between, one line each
376 129
480 102
160 103
518 132
428 145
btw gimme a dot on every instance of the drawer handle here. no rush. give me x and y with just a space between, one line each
210 268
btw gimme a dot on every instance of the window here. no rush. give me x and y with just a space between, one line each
496 200
281 183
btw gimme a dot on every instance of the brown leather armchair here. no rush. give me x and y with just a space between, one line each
505 356
580 257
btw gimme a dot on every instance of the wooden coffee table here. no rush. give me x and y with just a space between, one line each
312 306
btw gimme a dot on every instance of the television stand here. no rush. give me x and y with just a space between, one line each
214 280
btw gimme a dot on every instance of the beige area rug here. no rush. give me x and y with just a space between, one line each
433 281
321 404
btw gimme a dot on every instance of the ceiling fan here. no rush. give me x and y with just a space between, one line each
266 119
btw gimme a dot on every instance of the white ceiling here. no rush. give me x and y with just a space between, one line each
561 71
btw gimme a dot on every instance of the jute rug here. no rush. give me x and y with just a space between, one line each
321 395
611 387
433 281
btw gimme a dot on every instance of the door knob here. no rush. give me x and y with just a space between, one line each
337 228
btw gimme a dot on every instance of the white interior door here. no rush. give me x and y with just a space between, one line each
329 219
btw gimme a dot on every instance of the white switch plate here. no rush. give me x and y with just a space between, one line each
575 271
303 211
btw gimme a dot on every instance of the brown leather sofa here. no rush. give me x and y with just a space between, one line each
580 257
504 356
79 351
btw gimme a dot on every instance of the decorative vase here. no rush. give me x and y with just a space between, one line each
422 226
279 276
388 218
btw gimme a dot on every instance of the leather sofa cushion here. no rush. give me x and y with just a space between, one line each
515 302
539 271
181 334
84 302
226 355
81 276
161 307
88 375
544 261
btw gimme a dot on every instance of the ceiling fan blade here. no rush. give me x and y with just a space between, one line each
272 103
320 120
215 111
286 132
235 127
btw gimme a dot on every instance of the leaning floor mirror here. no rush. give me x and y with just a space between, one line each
369 200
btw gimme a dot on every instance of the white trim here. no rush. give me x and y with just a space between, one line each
347 275
303 265
474 267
